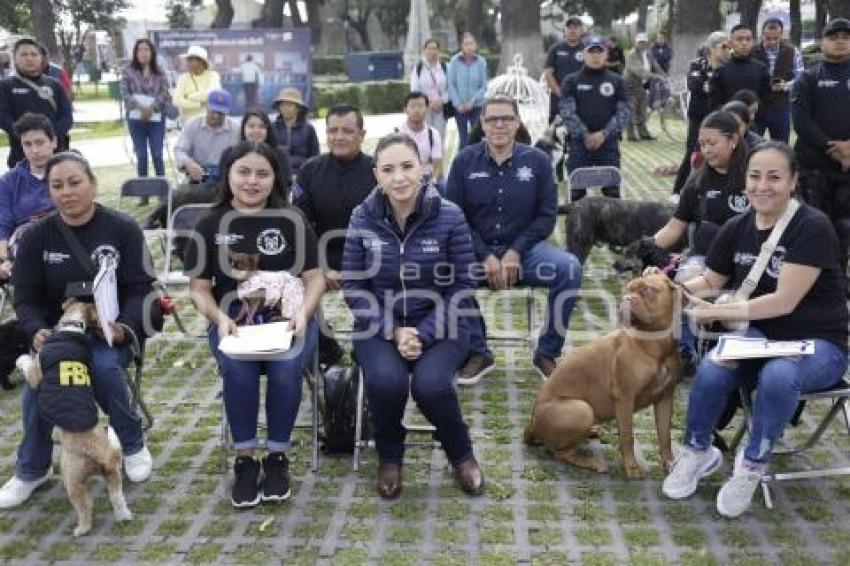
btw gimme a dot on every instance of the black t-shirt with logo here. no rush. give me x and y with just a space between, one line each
596 92
281 238
709 204
809 240
565 59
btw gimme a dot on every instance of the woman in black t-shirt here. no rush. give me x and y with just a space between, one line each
800 296
251 221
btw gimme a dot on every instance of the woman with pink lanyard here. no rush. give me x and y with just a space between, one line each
429 77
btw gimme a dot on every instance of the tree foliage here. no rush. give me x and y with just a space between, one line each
603 12
177 13
75 18
15 16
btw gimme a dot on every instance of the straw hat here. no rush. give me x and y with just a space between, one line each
197 52
289 94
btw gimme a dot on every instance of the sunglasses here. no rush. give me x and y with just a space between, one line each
595 49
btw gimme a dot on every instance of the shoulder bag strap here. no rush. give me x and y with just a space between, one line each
76 247
46 95
752 279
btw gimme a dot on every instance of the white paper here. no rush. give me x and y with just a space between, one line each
147 101
258 341
105 290
731 347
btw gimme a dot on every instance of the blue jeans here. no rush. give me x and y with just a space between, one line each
777 121
390 380
283 392
465 123
779 381
109 385
542 266
607 154
143 132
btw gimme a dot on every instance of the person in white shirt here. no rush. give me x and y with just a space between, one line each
427 138
429 77
252 78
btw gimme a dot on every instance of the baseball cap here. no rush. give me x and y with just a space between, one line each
219 101
595 41
574 21
836 25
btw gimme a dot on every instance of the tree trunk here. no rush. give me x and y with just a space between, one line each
223 15
44 24
839 9
820 17
361 26
643 8
796 23
523 36
694 21
602 12
475 17
314 20
750 13
295 14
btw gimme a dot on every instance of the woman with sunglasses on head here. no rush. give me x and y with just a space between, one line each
713 54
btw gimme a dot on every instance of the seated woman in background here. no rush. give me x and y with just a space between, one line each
293 129
251 221
799 296
744 117
23 192
408 337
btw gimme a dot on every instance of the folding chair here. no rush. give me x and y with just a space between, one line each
313 376
5 296
146 187
134 379
181 225
838 396
590 177
360 443
514 336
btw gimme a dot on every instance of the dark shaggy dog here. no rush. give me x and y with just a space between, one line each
612 221
644 253
13 343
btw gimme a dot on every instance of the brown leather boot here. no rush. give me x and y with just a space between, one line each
389 480
469 476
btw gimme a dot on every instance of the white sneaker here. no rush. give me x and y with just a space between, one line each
736 495
139 465
16 491
690 467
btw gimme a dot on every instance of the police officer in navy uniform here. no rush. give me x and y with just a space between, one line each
595 108
564 58
819 102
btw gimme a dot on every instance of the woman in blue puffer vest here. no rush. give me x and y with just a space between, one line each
406 271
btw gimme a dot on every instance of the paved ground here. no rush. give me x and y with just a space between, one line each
535 510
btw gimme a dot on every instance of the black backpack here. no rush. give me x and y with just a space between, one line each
340 409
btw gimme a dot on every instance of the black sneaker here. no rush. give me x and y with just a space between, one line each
246 472
275 477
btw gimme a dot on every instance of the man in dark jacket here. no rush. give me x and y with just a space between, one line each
507 192
563 58
31 91
595 110
819 102
661 51
328 188
785 63
741 72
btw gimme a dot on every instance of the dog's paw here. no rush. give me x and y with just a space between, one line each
81 530
123 514
635 470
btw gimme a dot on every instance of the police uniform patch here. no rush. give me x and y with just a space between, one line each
271 241
580 56
606 89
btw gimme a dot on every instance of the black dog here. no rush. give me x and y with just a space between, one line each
644 253
14 343
612 221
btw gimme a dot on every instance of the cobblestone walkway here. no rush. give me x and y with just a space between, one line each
535 510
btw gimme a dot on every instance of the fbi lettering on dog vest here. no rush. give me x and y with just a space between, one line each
73 374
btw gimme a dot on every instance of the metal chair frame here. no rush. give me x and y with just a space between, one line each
590 177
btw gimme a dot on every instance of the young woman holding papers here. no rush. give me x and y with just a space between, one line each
800 295
252 220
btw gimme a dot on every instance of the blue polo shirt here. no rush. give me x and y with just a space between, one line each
508 206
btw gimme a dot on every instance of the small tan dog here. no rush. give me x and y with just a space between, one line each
95 450
277 293
612 377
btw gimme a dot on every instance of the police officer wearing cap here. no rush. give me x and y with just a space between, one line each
819 102
564 58
595 108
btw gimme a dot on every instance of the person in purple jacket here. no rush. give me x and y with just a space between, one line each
23 192
406 269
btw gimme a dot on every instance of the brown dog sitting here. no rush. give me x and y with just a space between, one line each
61 375
612 377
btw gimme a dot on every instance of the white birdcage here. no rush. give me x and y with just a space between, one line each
531 96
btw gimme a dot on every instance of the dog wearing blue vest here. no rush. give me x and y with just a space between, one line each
61 375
